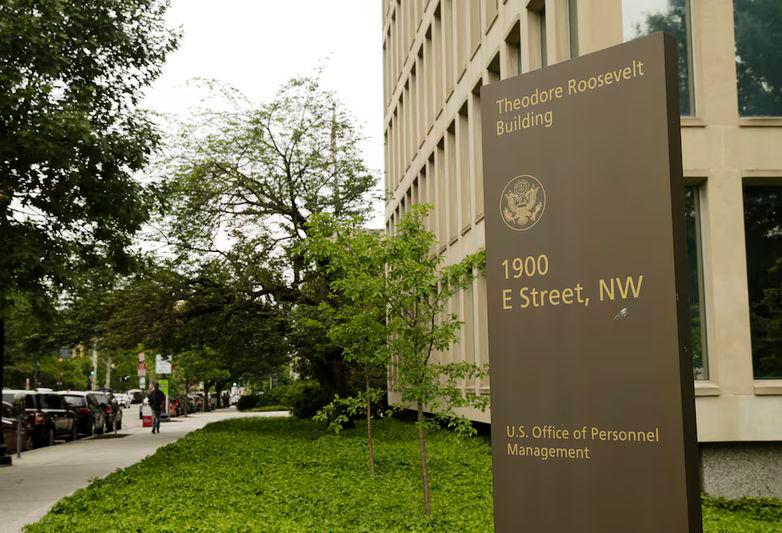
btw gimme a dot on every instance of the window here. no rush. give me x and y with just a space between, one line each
763 237
513 50
51 401
440 175
75 401
536 23
700 362
493 69
451 197
437 63
758 60
463 166
448 46
642 17
475 149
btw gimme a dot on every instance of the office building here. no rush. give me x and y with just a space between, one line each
438 54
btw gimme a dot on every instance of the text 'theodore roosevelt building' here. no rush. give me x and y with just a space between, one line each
438 53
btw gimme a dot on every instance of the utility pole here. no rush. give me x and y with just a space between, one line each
108 373
337 201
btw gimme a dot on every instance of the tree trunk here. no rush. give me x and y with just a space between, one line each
424 463
218 391
206 397
370 441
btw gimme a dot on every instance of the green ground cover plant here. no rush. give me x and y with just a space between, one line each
288 475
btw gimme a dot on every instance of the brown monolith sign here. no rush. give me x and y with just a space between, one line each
592 408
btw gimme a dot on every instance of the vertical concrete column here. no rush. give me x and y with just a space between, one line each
730 353
716 97
599 24
716 103
557 31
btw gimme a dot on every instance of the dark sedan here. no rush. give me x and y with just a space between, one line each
90 418
111 409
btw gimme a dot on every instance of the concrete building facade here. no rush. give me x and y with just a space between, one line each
437 55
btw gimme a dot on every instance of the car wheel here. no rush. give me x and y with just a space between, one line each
75 432
50 437
28 443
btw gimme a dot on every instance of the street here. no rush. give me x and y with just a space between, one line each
34 483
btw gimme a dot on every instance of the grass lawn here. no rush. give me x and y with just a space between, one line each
289 475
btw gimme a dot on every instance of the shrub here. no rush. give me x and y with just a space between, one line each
302 397
248 401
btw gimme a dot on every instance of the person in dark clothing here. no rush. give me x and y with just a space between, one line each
156 400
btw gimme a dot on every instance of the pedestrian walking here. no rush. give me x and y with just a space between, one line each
156 400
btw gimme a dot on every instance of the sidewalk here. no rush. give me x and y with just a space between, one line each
30 487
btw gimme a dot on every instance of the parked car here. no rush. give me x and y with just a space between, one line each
48 415
137 395
10 426
123 398
198 400
111 409
90 418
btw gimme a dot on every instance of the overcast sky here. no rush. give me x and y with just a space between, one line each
257 45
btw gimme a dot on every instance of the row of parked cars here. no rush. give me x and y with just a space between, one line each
49 415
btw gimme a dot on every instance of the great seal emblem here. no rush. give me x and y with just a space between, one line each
522 202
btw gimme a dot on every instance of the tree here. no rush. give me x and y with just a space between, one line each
762 223
173 312
71 76
758 61
394 315
242 186
674 20
417 290
355 259
72 137
195 365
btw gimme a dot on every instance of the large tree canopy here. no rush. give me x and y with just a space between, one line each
239 188
71 136
254 174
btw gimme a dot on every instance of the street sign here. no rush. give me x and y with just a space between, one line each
163 383
162 366
592 402
142 382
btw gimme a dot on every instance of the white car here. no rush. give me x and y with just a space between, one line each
123 399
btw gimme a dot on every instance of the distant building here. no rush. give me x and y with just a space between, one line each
438 53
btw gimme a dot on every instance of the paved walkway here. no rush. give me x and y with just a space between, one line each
30 487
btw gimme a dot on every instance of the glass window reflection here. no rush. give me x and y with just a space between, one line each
642 17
